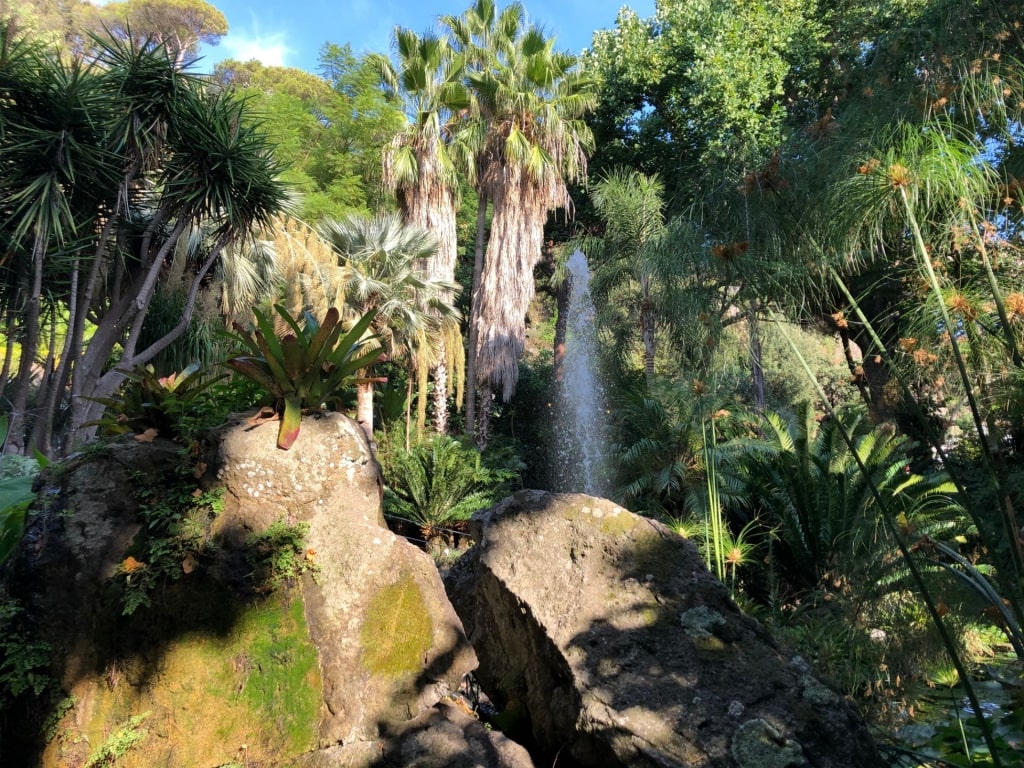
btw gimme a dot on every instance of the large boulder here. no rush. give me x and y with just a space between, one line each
347 664
602 634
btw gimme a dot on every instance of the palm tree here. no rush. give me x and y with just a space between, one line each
378 258
531 101
421 167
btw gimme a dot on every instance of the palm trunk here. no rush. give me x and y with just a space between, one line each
440 396
474 317
364 408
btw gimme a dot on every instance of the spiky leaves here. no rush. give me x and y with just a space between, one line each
421 163
306 367
378 258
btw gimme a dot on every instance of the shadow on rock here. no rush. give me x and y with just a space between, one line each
620 649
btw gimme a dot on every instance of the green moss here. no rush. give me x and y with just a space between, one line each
397 631
238 673
618 524
284 680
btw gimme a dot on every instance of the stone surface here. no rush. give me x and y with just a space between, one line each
217 672
605 635
441 737
329 480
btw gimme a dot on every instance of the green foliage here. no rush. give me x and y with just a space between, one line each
171 405
24 661
827 501
109 171
306 367
440 482
279 555
120 742
173 540
328 130
17 476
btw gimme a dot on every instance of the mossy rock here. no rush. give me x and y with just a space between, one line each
210 695
397 631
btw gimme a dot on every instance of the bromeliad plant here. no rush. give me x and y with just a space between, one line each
163 405
304 368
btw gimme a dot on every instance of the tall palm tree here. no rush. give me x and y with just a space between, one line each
421 166
531 101
378 258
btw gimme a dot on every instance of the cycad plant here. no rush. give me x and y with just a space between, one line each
826 497
439 482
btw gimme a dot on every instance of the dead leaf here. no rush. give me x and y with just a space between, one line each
131 565
148 436
188 564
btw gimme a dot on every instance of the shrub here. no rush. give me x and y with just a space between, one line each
440 482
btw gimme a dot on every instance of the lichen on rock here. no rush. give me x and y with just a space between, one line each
699 623
757 745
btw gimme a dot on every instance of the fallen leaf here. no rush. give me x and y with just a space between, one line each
131 565
148 436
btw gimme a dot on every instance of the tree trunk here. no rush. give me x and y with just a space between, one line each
5 373
440 394
474 316
29 347
364 408
483 426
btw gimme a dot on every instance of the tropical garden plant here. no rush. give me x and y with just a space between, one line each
531 142
306 366
439 483
106 170
421 167
380 272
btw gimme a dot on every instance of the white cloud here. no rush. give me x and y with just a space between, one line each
244 46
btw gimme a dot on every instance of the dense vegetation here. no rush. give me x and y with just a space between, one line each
803 226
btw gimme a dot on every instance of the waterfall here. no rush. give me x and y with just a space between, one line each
581 418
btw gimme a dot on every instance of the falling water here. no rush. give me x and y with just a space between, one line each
582 420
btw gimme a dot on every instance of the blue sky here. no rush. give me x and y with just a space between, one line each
291 33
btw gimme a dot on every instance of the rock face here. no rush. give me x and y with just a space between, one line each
604 635
340 668
389 643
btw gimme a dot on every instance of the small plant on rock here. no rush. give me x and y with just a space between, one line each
305 367
279 555
158 405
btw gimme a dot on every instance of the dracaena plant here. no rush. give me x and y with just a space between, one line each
305 367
